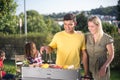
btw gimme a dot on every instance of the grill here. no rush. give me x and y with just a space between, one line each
37 73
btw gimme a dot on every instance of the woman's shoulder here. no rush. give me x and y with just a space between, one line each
108 37
87 34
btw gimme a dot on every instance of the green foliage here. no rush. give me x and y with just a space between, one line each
112 10
35 22
9 66
39 23
52 26
82 25
118 11
115 75
7 21
116 61
81 22
14 44
109 28
56 16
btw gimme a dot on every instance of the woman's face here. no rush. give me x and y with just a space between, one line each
92 27
69 26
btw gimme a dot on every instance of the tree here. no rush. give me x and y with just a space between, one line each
111 10
118 11
39 23
52 26
82 25
7 16
35 22
109 28
81 22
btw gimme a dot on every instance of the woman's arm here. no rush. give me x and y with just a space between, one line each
110 49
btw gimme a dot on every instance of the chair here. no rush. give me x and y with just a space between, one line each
19 63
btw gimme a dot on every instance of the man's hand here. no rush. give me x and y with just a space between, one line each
47 49
42 49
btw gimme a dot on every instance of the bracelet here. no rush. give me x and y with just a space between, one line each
87 77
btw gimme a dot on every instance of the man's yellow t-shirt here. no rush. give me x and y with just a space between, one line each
68 48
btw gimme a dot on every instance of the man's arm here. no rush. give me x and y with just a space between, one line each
85 62
48 49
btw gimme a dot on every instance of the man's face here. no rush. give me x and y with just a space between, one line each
69 26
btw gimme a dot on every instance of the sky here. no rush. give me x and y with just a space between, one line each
57 6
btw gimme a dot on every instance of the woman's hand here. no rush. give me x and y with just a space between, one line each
102 71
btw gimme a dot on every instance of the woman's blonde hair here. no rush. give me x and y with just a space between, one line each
96 20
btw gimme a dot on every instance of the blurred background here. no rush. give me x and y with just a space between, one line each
22 21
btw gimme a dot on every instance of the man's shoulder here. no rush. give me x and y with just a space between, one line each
59 33
80 33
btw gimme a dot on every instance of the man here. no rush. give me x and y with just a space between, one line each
69 44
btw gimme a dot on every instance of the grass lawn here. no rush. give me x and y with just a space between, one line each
9 67
115 74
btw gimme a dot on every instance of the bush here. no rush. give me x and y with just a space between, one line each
9 66
116 61
14 44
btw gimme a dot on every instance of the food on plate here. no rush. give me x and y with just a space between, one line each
68 67
56 66
65 67
44 66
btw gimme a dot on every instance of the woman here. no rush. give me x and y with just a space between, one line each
100 49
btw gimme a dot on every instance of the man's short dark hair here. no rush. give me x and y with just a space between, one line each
70 17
